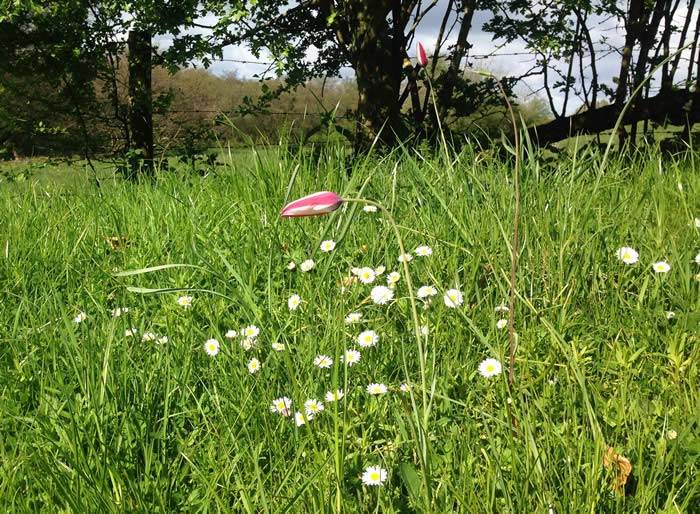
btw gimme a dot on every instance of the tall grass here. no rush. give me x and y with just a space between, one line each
94 421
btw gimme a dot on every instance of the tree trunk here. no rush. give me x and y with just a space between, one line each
676 108
377 59
140 102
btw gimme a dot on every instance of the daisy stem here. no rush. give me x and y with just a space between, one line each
422 421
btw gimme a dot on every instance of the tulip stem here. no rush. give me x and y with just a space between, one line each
421 421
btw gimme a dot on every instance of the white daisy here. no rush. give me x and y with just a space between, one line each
489 368
392 278
323 361
376 389
163 340
424 330
381 295
250 332
367 339
426 292
374 476
453 298
627 255
661 267
501 324
366 275
370 208
404 388
185 301
130 332
307 265
697 259
351 357
119 311
293 302
328 245
231 334
291 266
80 317
148 336
248 343
281 406
502 308
254 365
299 419
278 347
423 251
697 222
353 317
335 396
670 314
211 346
405 257
313 407
379 270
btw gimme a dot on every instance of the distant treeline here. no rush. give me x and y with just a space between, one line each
193 109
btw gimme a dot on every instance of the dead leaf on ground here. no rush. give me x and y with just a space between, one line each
622 467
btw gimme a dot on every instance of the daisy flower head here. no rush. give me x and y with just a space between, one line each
80 318
148 336
374 476
293 302
248 343
351 357
502 308
231 334
501 324
405 388
661 267
670 314
453 298
379 270
353 317
370 208
366 275
323 361
119 311
489 368
381 295
250 332
307 265
278 347
423 251
405 257
211 346
328 245
393 278
671 435
627 255
335 396
426 292
299 419
130 332
313 407
185 302
697 222
424 330
162 340
376 389
291 266
281 406
254 366
697 259
367 339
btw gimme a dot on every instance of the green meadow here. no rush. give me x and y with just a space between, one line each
129 411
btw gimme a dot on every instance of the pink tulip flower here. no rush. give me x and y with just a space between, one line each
314 204
421 55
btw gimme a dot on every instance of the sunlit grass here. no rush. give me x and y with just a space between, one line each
92 420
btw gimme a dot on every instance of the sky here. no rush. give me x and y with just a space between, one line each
483 44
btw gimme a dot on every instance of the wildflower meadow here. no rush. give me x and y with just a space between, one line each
234 342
